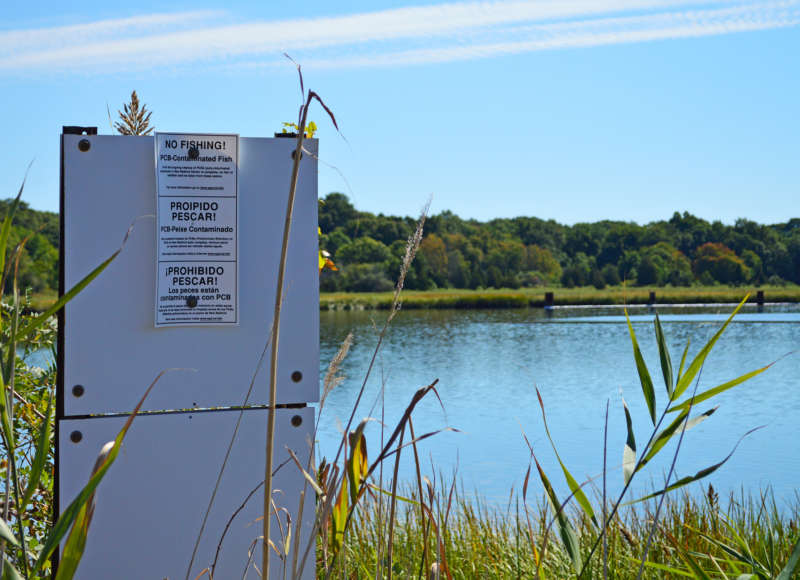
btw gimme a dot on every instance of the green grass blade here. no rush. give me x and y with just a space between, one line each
10 367
629 452
574 486
663 353
357 464
5 230
339 518
59 304
41 453
744 546
697 476
791 564
683 362
695 421
705 395
5 419
690 561
10 573
700 358
644 374
6 533
744 558
663 568
568 536
665 435
70 515
76 541
693 564
388 493
662 438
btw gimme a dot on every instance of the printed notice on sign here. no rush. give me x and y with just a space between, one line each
197 221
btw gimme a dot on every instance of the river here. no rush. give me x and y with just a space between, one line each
489 364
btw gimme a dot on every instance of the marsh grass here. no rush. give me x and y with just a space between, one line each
489 542
448 298
534 297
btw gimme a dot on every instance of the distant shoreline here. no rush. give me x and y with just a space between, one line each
535 297
463 299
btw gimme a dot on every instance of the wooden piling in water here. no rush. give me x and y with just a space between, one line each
549 299
652 298
760 297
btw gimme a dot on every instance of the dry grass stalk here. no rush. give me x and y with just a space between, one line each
134 120
412 245
332 377
310 96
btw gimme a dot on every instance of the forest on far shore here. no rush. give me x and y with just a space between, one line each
528 252
518 252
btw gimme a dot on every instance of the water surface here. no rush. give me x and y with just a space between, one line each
489 364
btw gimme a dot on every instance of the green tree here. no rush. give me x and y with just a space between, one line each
362 251
335 211
597 279
494 277
618 238
418 276
508 256
578 272
661 263
611 275
542 260
457 270
721 263
435 252
648 274
366 278
754 263
334 240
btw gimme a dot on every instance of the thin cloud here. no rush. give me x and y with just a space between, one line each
397 37
17 42
585 34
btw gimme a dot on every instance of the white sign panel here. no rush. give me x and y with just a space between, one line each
151 503
197 229
108 187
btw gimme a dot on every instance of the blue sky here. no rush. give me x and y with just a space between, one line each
576 110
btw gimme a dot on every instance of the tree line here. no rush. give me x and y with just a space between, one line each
38 231
501 253
527 251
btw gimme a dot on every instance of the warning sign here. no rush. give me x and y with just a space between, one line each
197 228
197 201
196 293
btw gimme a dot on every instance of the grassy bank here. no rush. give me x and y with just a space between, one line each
535 297
528 297
41 301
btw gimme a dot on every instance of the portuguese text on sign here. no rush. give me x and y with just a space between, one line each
197 221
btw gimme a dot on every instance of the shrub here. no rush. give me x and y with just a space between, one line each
721 263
